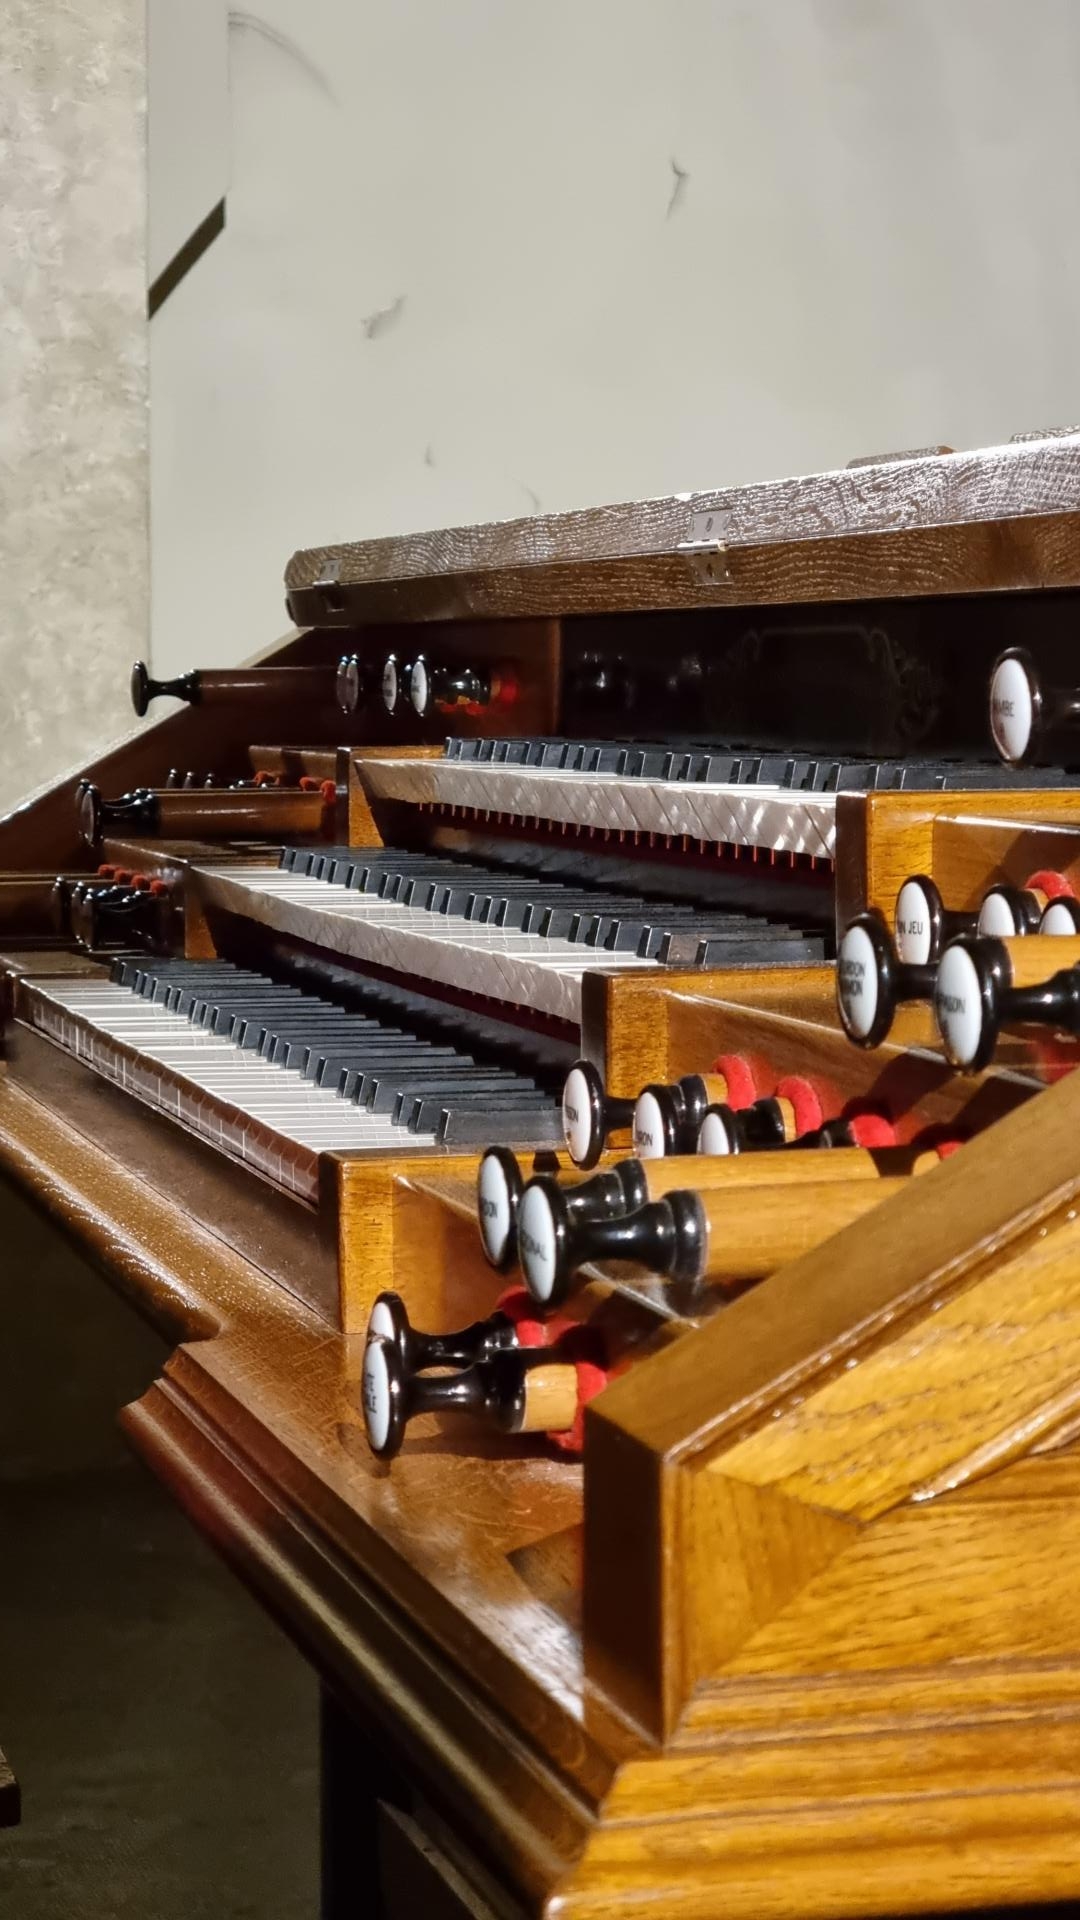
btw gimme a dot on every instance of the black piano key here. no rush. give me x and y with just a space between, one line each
471 1127
344 1067
385 1089
1001 779
296 1050
570 919
419 1104
170 988
221 1016
808 951
209 1007
422 1111
325 1065
662 941
286 1024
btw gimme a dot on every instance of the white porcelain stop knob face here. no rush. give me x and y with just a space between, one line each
914 929
1060 917
997 917
648 1128
420 688
376 1393
494 1209
958 1007
390 685
857 981
536 1243
381 1322
713 1136
1012 709
577 1115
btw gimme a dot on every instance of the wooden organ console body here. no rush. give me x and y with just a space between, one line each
748 1584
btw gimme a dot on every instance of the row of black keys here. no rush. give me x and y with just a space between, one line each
421 1086
484 1037
727 766
672 932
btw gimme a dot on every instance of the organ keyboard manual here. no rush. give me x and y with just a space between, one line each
574 1048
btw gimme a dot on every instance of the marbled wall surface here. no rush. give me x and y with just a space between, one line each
73 381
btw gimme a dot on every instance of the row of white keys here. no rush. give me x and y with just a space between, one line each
280 1096
369 909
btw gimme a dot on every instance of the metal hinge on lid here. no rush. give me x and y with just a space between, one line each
705 551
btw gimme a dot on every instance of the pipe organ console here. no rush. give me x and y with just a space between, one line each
656 1417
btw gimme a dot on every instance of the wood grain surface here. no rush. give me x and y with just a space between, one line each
999 517
957 1248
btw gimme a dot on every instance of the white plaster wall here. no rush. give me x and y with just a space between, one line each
483 259
188 130
73 376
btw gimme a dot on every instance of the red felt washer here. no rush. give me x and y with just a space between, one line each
517 1303
520 1307
943 1148
328 789
107 871
1054 885
804 1101
872 1130
741 1088
591 1380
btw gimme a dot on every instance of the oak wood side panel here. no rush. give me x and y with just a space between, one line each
634 1014
778 1347
927 1584
391 1234
972 853
884 838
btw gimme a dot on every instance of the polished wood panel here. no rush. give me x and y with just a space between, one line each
974 851
882 839
956 523
797 1633
940 1240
